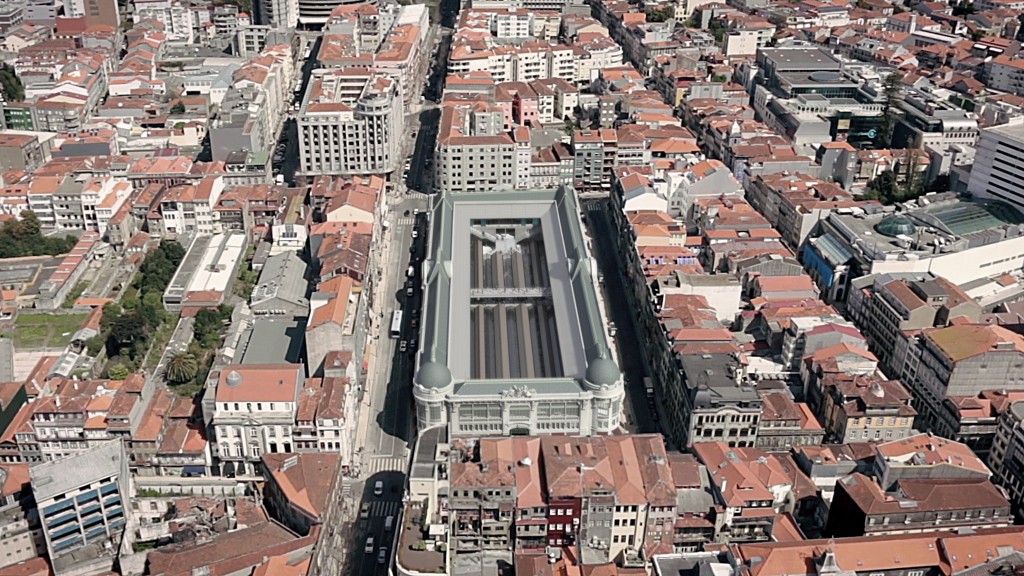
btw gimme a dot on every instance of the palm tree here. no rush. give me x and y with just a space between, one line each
182 367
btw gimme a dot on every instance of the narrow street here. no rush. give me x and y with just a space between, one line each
627 338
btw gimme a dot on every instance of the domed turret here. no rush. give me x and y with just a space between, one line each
603 372
433 376
233 379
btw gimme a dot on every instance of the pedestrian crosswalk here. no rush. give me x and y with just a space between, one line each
383 508
405 221
387 464
346 488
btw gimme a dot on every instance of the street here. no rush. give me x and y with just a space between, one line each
390 433
619 311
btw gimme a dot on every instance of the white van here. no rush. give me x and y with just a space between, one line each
389 523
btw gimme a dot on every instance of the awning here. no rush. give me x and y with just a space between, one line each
193 471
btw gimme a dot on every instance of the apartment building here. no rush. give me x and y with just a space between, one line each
476 154
21 536
715 402
925 456
254 414
997 172
1006 74
351 122
1007 456
888 306
750 485
786 424
961 360
188 209
865 408
83 513
174 15
861 507
276 13
610 496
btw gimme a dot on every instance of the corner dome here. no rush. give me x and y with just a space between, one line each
433 375
603 371
895 225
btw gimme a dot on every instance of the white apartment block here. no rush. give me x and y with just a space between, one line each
1005 74
176 18
352 122
254 413
277 13
998 170
188 209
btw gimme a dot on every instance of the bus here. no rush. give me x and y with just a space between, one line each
396 324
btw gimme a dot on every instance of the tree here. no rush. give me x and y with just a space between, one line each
883 187
181 368
660 14
178 108
939 184
118 372
717 30
890 109
23 237
11 85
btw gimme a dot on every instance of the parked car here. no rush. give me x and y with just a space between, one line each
382 555
403 346
369 545
378 488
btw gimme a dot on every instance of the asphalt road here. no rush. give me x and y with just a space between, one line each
619 311
391 432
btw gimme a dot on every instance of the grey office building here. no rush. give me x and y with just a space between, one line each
513 336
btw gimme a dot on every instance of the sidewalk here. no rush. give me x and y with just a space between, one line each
363 422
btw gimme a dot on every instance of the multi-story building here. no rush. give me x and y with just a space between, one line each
276 13
750 485
351 122
254 413
1005 73
175 17
188 209
786 424
998 170
862 508
865 408
83 514
476 154
21 537
929 234
715 402
961 360
611 496
924 456
888 306
492 285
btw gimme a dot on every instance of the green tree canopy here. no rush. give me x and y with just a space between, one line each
23 237
181 368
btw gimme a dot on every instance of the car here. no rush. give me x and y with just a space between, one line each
413 343
403 346
415 233
369 545
382 555
408 291
378 488
364 511
415 322
389 523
